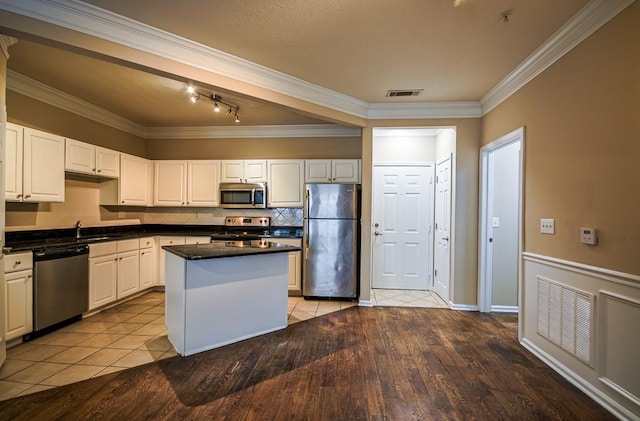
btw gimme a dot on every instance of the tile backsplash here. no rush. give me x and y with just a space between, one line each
215 216
286 217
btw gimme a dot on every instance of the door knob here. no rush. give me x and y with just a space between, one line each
445 238
376 233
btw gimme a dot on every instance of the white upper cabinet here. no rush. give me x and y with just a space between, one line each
135 180
133 188
243 171
332 171
203 183
186 183
84 158
107 162
34 165
169 183
13 163
286 182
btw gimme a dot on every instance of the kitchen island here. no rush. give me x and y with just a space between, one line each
223 292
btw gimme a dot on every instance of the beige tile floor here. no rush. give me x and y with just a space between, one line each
134 333
406 298
127 335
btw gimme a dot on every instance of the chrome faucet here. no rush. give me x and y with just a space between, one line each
78 225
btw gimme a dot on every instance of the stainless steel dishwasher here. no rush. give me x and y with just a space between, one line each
60 286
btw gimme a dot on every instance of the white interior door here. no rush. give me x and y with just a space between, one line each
442 258
500 239
402 215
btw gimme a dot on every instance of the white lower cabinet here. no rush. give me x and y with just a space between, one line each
148 263
295 265
18 294
114 271
103 277
128 273
166 241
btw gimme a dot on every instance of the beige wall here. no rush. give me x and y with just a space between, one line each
38 115
582 140
262 148
464 273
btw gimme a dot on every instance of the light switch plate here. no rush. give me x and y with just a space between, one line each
495 222
547 226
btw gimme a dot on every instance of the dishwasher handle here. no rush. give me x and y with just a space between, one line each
50 253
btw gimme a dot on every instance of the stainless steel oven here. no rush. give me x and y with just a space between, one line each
243 195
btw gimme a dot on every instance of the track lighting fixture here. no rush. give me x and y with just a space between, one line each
195 95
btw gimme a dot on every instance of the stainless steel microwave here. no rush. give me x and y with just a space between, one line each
243 195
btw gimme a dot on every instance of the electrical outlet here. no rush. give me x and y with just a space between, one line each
121 214
547 226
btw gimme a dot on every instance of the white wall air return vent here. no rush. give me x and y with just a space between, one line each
404 92
565 317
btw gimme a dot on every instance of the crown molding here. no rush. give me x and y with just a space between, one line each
588 20
45 93
468 109
5 43
236 132
97 22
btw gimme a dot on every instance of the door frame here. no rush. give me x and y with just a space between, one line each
431 192
485 286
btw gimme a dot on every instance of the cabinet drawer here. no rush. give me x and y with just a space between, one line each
146 243
18 261
128 245
102 249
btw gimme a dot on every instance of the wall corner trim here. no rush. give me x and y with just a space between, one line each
463 307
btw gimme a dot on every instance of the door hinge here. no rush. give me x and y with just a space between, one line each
436 226
435 272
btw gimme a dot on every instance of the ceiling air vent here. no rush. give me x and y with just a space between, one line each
404 92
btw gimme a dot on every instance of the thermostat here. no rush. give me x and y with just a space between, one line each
589 236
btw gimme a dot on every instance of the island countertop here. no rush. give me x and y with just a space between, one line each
220 249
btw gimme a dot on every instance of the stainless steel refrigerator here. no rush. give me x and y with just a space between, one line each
331 241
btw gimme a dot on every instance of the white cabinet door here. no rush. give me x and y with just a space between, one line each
197 239
18 303
332 171
103 277
147 267
255 171
239 171
203 180
79 157
318 171
166 241
13 163
128 273
107 162
43 167
285 185
135 178
232 171
345 170
295 264
169 183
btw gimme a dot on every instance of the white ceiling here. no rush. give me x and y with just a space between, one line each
455 50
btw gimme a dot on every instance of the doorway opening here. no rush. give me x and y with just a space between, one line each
410 266
500 237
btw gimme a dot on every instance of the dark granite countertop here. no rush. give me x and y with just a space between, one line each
16 241
220 249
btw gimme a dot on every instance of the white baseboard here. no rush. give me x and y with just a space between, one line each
504 309
463 307
602 399
365 303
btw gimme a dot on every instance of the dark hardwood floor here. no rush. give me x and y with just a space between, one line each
360 363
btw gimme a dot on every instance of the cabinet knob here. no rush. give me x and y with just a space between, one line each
27 196
18 262
99 170
19 196
123 201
